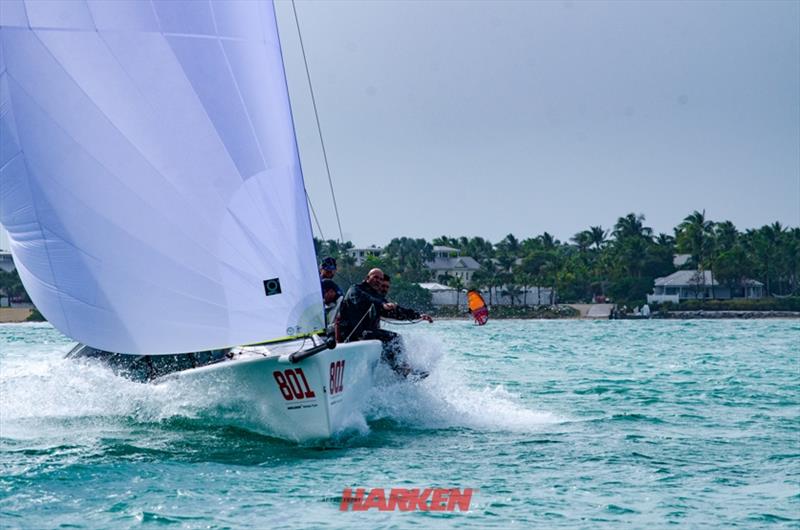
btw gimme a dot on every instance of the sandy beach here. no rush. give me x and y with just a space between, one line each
14 314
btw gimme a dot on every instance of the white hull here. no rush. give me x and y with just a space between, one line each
313 399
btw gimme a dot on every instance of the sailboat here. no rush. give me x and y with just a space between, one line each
153 195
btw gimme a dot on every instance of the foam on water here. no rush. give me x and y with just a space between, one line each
47 387
446 400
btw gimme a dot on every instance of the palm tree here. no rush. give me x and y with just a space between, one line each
781 246
537 264
693 234
445 241
548 242
665 240
507 251
509 245
409 254
456 283
792 249
632 225
767 246
479 248
524 280
632 255
512 292
549 272
583 240
486 277
505 262
726 235
335 249
598 236
730 266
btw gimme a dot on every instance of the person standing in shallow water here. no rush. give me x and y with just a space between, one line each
360 315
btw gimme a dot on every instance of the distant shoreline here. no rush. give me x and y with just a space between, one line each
671 315
584 319
706 314
13 315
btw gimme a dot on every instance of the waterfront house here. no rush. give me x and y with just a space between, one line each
448 261
701 285
360 255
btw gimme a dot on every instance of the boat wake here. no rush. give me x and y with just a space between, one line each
57 388
48 391
446 399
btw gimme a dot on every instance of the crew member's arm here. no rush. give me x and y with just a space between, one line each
405 313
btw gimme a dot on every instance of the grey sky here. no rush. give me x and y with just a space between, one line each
483 118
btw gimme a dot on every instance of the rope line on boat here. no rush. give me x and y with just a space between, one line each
371 308
303 345
248 349
314 215
319 127
401 322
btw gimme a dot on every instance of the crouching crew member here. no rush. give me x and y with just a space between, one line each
331 299
360 315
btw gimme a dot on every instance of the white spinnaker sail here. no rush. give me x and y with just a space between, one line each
149 175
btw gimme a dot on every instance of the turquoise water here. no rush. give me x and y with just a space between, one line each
555 423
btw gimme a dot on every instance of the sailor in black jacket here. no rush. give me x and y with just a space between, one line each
360 317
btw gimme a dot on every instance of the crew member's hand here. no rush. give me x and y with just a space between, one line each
389 306
427 318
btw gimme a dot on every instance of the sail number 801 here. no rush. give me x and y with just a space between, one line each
337 377
289 383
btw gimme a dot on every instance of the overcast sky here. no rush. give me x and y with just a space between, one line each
484 118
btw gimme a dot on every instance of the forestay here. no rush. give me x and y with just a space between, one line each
150 180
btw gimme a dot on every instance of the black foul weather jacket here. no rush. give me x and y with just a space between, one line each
361 310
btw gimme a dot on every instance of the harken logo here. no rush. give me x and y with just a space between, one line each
406 500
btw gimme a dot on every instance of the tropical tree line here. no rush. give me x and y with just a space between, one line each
618 263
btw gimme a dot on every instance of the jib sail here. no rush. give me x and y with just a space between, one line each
150 179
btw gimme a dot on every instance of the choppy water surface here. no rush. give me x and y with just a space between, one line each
556 423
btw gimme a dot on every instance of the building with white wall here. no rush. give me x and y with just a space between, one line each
448 261
360 255
701 285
